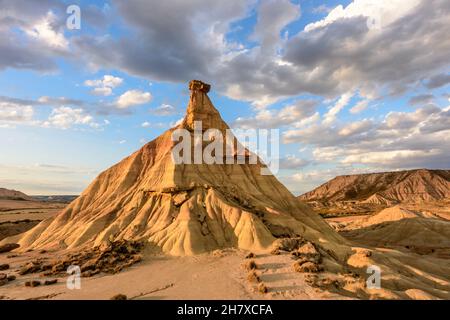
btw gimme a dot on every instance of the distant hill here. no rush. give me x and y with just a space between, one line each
6 194
386 188
58 198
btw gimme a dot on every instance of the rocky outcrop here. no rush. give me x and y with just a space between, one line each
386 188
183 209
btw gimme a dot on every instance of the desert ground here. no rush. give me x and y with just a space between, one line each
224 274
18 216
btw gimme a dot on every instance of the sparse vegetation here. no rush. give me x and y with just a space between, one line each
250 255
119 297
253 277
4 267
33 283
250 265
262 288
50 282
306 267
111 258
275 252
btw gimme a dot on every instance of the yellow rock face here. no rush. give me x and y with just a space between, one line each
183 209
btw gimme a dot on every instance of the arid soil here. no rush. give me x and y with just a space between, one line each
18 216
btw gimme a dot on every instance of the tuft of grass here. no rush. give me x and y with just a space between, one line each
253 277
275 251
306 267
250 255
250 265
119 297
33 283
262 288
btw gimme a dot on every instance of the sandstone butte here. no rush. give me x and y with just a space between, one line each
183 209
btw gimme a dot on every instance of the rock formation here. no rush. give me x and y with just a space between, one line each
386 188
183 209
6 194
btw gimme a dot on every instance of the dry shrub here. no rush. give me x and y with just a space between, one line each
287 244
306 267
119 297
262 288
250 255
250 265
275 251
253 277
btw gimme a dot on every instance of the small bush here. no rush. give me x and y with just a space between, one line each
275 251
306 267
253 277
33 283
50 282
250 255
250 265
119 297
262 288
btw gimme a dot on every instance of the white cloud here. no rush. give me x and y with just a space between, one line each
133 98
389 158
383 13
273 16
360 106
104 86
270 118
11 113
402 140
356 127
66 117
164 110
44 31
145 124
342 102
292 162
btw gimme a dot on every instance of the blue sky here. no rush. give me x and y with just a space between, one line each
353 86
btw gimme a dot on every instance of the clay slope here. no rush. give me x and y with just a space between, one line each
385 188
6 194
183 209
391 214
414 232
398 226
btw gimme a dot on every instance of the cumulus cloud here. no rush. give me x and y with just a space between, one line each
104 86
360 106
66 117
133 98
288 115
13 113
342 102
273 16
421 99
337 54
293 162
44 31
164 110
438 81
65 113
419 138
32 33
